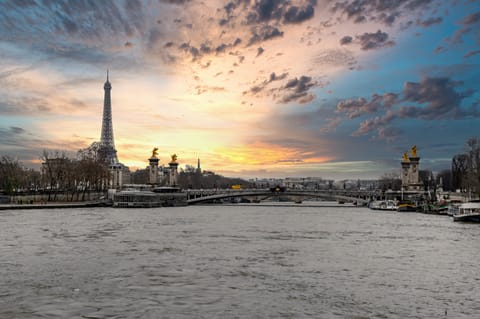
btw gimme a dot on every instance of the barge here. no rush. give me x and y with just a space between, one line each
158 197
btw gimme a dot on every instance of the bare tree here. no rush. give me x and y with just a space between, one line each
473 165
466 167
390 181
11 174
94 173
459 170
444 179
56 173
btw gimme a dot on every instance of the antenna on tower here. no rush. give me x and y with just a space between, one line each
107 75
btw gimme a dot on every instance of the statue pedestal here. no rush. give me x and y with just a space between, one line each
173 174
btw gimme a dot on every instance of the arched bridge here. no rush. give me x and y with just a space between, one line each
199 196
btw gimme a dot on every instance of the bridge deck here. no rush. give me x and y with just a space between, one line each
198 196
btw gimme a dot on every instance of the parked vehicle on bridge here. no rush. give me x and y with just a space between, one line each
278 189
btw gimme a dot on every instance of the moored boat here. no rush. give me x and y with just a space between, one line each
383 205
453 207
161 196
468 212
407 207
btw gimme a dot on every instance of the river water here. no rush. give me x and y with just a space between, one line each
237 262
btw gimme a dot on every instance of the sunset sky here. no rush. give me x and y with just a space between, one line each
267 88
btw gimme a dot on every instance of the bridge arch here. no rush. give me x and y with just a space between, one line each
268 193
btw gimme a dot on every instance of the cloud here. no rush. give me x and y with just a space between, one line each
376 123
264 32
25 105
254 90
275 77
388 133
468 23
386 12
266 19
369 41
28 147
471 19
439 94
297 90
23 3
346 40
206 48
260 51
331 125
430 99
334 58
471 53
297 15
262 11
357 107
205 88
430 21
176 2
293 90
12 137
17 130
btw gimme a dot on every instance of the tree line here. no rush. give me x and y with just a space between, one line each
74 178
190 177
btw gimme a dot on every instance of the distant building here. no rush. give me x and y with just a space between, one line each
266 182
306 183
140 176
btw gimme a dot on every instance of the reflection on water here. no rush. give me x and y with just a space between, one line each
244 262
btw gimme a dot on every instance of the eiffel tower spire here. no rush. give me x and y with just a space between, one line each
106 139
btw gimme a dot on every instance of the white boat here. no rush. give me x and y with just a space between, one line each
383 205
453 208
468 212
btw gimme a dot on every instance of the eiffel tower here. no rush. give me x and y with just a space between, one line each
106 140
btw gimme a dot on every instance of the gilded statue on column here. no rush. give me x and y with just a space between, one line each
155 152
414 151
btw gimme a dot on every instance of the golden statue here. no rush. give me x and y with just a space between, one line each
174 158
405 157
414 151
155 152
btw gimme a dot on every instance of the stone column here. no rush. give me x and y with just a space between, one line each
173 174
414 181
153 171
405 174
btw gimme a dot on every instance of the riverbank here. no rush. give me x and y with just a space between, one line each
47 205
